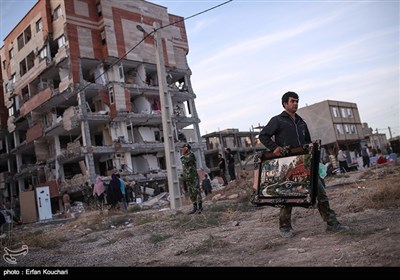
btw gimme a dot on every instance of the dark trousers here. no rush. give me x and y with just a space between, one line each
231 170
327 214
343 166
365 161
222 174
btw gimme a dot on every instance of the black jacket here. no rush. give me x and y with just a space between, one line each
287 132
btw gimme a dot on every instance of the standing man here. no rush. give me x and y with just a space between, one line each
206 184
123 194
231 165
291 130
221 166
191 178
365 155
98 191
67 203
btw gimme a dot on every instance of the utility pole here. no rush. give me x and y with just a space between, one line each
377 138
168 128
390 132
87 144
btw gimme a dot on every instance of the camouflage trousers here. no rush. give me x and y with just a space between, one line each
327 214
194 190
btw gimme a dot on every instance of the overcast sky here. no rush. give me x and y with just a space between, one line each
244 55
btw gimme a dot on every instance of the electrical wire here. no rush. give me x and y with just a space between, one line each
149 34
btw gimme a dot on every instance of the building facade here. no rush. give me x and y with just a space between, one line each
81 94
242 145
337 124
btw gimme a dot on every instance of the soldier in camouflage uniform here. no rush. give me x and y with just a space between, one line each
190 178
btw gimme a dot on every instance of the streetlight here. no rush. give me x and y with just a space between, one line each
166 113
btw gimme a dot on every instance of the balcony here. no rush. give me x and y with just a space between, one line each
35 101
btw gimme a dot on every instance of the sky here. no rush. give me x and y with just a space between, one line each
244 55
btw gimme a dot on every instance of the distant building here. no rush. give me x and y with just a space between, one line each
338 125
241 143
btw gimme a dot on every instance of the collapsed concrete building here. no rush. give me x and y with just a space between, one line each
81 95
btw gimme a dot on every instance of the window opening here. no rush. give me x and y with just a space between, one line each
111 93
57 13
103 37
39 25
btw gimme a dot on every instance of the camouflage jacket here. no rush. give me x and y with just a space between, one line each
189 166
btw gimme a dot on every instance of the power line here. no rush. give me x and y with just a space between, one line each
149 34
389 127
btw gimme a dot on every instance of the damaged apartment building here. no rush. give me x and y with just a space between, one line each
81 95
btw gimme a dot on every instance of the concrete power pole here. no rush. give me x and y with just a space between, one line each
87 144
168 128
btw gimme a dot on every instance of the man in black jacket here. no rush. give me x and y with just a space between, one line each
231 164
289 129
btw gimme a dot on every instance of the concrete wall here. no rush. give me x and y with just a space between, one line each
322 122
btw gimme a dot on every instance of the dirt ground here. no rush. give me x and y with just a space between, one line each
229 233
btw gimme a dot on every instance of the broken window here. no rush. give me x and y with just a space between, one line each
43 53
229 141
27 34
39 25
111 93
26 64
213 143
98 140
24 38
22 68
103 37
57 13
61 41
11 53
180 84
25 93
99 12
22 137
121 71
44 83
245 141
157 135
71 170
30 60
11 111
20 41
149 80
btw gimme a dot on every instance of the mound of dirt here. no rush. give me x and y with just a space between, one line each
229 232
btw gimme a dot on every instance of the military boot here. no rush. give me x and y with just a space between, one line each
194 210
200 208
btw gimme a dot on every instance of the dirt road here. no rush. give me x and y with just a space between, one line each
230 232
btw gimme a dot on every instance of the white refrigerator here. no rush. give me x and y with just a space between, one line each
43 203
